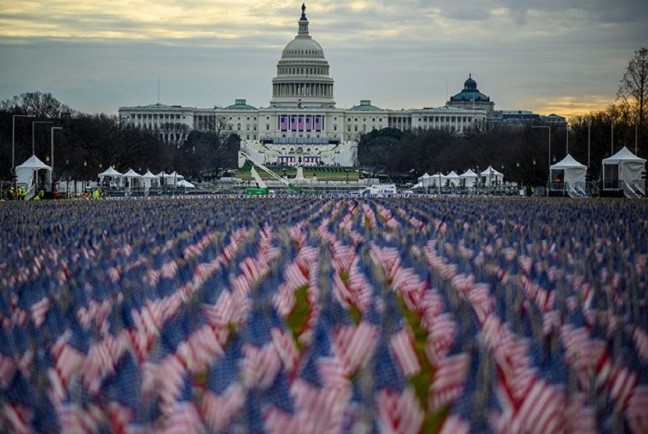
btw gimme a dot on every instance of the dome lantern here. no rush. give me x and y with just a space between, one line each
470 84
303 22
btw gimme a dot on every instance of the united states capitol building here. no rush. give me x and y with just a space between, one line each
302 125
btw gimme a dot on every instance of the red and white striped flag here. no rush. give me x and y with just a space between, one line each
402 346
354 346
399 413
635 410
449 380
219 410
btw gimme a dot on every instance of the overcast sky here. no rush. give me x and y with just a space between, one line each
549 56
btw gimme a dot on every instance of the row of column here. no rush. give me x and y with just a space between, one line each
300 71
306 89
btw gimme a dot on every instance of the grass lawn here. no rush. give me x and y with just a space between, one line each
322 173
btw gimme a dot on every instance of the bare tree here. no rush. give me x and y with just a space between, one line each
41 105
633 89
218 125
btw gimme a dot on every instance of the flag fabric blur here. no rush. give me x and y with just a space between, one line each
324 315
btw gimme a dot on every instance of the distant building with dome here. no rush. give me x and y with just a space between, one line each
302 125
471 98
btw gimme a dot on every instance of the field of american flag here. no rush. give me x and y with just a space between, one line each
319 315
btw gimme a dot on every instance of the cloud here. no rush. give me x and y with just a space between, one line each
410 53
569 106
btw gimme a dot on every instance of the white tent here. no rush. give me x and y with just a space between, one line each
626 168
568 171
149 180
492 177
468 178
185 184
133 178
27 173
568 175
438 180
424 180
175 175
114 177
453 179
171 179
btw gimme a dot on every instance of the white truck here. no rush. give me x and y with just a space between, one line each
379 190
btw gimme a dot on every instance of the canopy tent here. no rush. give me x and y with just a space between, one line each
437 180
170 179
452 179
149 180
175 175
161 178
468 178
133 179
568 171
624 169
425 181
27 173
185 184
568 175
113 177
492 177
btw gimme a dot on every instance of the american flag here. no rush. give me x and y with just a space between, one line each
398 412
449 378
323 316
183 416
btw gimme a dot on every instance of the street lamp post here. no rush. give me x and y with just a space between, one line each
548 127
13 139
33 124
52 156
67 178
589 141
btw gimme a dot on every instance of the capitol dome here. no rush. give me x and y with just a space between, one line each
302 78
301 47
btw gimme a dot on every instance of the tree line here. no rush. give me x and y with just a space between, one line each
520 152
87 144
